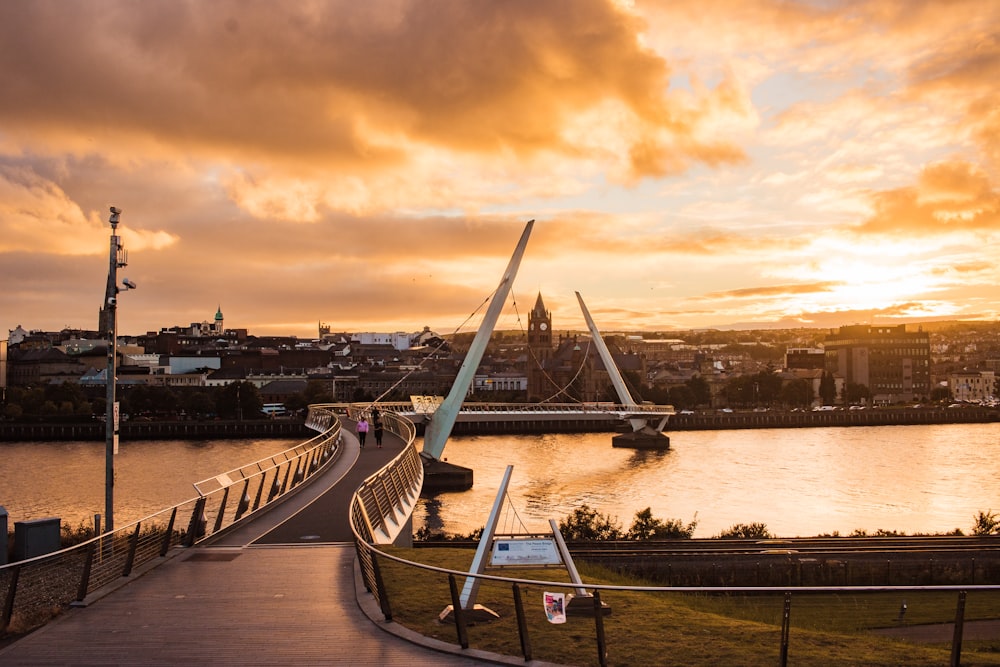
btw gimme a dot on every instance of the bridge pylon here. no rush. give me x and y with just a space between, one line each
638 433
438 474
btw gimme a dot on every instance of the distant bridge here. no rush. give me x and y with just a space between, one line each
420 410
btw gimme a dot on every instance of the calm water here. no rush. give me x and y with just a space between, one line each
800 482
797 481
66 479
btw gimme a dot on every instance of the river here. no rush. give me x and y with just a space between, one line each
799 482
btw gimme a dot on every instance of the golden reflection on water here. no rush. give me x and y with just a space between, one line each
799 482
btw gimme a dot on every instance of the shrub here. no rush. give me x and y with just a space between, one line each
647 527
587 524
747 530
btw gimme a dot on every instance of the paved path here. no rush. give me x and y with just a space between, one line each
279 591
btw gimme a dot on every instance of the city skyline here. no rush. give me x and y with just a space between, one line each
689 165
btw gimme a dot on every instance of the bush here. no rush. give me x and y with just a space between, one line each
587 524
647 527
747 530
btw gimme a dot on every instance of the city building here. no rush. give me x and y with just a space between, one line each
892 362
973 386
571 369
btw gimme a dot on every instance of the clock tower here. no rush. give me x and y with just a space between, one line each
539 349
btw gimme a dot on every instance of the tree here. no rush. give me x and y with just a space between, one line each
681 397
986 523
941 394
798 393
827 388
239 400
587 524
700 390
855 394
647 527
747 530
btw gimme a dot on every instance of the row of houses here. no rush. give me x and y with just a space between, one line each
893 362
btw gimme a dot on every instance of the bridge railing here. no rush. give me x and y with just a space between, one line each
767 639
383 504
32 590
406 408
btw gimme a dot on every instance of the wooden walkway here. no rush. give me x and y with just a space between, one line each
279 591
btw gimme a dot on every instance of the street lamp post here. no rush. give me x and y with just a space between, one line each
109 323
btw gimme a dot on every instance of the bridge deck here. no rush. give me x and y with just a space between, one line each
278 591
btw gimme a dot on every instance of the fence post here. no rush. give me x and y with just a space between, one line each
244 503
284 484
458 613
602 644
133 544
956 639
88 565
785 629
222 510
196 528
522 623
8 605
260 490
383 596
168 534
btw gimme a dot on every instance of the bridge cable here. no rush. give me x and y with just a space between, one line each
433 352
559 390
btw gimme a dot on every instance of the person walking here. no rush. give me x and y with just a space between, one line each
362 430
378 433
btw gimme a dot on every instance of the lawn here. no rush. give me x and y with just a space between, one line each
647 628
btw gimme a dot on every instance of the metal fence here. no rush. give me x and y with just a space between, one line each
773 639
382 572
33 590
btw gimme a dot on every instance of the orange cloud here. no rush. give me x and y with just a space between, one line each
949 197
331 85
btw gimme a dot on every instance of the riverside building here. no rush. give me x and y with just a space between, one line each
892 362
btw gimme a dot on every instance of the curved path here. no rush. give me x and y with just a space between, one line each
280 590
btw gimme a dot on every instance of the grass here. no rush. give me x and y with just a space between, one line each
684 629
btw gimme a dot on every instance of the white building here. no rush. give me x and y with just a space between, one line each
972 386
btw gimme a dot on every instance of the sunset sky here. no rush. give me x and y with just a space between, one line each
371 165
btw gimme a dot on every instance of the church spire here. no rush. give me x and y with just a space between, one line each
539 308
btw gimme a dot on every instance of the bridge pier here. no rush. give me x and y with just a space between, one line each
444 476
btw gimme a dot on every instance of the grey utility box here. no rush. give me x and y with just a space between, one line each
35 538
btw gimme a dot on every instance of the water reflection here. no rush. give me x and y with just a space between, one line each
914 479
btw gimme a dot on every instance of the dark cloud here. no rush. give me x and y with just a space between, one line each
335 82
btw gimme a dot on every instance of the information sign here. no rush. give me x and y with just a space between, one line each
525 551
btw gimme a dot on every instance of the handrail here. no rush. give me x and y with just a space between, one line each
369 535
383 504
31 588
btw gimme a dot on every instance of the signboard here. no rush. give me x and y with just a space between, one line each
116 422
524 552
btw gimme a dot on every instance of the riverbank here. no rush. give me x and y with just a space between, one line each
707 420
717 420
158 430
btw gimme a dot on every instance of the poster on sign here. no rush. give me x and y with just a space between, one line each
525 552
555 607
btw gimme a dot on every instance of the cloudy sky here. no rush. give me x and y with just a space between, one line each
689 163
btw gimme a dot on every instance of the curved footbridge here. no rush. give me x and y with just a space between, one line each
280 585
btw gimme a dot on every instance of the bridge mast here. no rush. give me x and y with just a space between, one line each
441 422
643 436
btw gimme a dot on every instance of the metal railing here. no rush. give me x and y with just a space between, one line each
382 505
407 408
32 590
442 584
380 491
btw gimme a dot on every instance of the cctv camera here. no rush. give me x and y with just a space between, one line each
128 283
116 210
112 300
